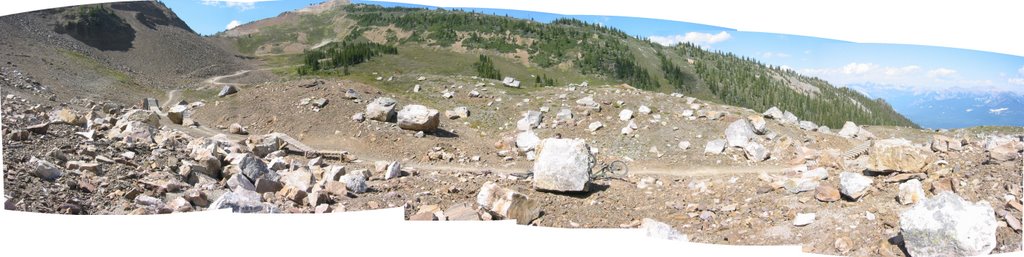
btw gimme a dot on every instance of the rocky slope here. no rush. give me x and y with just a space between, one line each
448 147
111 51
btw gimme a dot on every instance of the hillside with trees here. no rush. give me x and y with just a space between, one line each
595 51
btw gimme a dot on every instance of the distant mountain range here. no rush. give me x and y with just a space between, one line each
952 109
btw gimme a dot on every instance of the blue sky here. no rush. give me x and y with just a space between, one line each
871 68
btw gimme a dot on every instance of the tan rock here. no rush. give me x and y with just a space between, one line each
898 155
826 193
508 203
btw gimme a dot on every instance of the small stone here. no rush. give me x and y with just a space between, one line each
237 129
423 216
45 170
394 170
843 245
625 115
910 192
684 145
826 193
351 94
358 117
655 229
462 212
803 219
715 146
854 185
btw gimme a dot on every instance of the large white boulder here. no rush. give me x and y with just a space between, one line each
418 118
562 165
947 225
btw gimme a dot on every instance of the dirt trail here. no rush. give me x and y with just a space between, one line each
216 80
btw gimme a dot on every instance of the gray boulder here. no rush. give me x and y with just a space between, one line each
351 94
755 151
789 118
227 90
562 165
355 183
177 113
381 109
44 169
530 120
758 123
715 146
393 170
739 133
564 116
252 167
849 130
773 113
588 103
947 225
808 125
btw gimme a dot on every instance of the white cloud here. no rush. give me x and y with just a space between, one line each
998 111
893 71
969 110
1021 70
233 24
705 39
858 68
941 72
786 67
240 4
913 78
767 55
